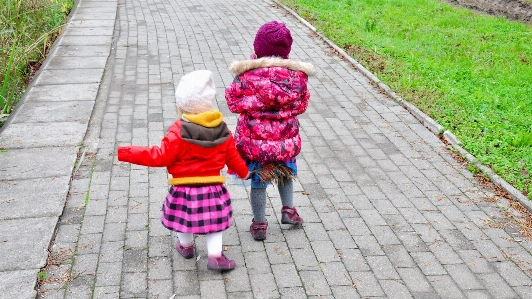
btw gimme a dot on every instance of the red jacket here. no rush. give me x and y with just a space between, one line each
193 151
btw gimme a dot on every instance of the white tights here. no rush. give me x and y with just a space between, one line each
214 242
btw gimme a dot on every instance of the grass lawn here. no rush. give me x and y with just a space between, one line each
470 72
28 28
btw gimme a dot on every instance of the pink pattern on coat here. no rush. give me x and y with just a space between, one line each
268 99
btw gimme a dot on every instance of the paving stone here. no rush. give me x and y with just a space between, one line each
186 283
160 289
476 294
445 286
366 284
496 286
239 295
315 231
382 267
51 193
34 233
237 280
512 274
293 293
278 253
415 280
428 263
336 274
304 259
395 288
463 277
325 251
13 280
399 256
286 275
384 234
368 245
81 287
133 285
524 292
315 282
257 262
264 286
342 239
475 262
106 292
159 269
112 252
92 224
108 274
357 226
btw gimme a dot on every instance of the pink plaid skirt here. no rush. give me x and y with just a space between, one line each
197 209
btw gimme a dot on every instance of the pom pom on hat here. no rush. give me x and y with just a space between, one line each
196 92
273 39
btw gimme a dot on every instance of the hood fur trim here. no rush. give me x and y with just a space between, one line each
239 67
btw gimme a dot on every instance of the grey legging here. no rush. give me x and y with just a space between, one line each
258 199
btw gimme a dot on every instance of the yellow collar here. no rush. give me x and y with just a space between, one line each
209 119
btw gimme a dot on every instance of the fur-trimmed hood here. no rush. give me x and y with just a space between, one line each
239 67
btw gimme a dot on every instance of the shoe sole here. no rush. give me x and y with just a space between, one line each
260 236
219 268
286 220
188 256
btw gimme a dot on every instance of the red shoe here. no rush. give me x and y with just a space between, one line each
290 216
186 252
221 263
258 230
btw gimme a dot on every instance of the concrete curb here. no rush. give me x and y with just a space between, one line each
428 122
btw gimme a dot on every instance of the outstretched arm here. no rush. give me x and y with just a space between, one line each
155 156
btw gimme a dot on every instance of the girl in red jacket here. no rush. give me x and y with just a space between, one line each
195 149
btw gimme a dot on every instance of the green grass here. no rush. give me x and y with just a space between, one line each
471 73
28 28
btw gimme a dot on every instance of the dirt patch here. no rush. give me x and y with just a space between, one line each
512 9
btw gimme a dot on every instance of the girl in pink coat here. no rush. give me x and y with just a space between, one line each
269 92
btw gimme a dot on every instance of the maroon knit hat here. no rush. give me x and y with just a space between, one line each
273 39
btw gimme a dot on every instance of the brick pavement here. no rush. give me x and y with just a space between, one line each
389 213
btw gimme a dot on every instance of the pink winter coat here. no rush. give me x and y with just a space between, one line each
268 93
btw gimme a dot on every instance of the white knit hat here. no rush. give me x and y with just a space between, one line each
196 92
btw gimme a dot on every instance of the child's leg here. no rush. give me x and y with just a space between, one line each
216 259
214 244
286 191
185 239
185 244
258 204
289 212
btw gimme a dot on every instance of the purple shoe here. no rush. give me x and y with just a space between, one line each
186 252
258 230
290 216
221 263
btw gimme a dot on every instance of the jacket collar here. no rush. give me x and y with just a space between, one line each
209 119
239 67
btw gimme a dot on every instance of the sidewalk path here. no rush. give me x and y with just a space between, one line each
389 213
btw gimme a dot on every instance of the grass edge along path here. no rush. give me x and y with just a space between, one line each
465 70
28 28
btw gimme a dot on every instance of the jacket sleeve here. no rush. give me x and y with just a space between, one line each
233 95
234 161
155 156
